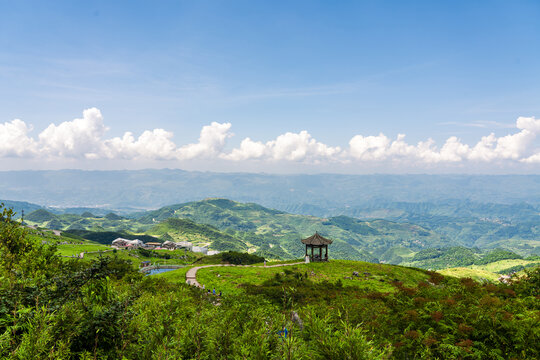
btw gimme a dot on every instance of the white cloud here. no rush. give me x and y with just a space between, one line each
298 147
155 144
84 138
211 142
533 159
289 147
489 148
375 148
76 138
369 147
528 123
512 146
249 149
14 140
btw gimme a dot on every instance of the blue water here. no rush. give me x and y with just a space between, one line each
158 271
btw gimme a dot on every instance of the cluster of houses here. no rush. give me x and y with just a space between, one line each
122 243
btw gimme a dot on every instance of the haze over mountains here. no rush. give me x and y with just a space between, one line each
320 194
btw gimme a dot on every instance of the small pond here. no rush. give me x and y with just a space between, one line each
158 271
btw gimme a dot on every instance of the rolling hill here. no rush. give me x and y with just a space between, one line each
275 232
228 225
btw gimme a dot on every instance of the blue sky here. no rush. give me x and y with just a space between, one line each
336 70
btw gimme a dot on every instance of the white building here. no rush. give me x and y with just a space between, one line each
200 249
121 242
178 245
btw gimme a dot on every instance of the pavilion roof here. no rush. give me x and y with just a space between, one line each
316 239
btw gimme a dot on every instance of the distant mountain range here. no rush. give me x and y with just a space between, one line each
228 225
319 195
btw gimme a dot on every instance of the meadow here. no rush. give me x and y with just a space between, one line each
372 277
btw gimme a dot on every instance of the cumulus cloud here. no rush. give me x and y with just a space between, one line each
211 142
76 138
489 148
289 146
369 147
249 149
14 140
84 138
533 159
155 144
529 124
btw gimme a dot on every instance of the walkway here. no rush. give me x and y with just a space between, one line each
191 275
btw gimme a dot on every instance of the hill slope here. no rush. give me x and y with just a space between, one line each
277 233
187 230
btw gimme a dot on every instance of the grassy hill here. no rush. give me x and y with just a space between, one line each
84 221
228 225
198 234
373 277
20 206
492 271
458 256
470 224
276 233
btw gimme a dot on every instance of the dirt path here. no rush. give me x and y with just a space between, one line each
191 275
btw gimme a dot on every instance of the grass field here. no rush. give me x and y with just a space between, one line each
485 272
379 278
503 265
476 274
93 251
76 249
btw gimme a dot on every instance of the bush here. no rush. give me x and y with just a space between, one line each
237 258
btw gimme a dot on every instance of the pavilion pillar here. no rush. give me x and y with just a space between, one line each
326 248
320 252
306 249
311 252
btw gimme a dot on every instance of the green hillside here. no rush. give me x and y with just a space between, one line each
40 216
513 226
198 234
225 225
443 258
20 206
276 233
84 221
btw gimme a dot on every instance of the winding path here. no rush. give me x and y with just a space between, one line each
191 275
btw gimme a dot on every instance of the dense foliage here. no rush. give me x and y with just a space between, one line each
441 258
497 255
231 257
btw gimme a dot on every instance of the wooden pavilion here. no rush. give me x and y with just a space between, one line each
316 241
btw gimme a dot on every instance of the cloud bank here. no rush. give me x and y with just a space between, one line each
85 138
